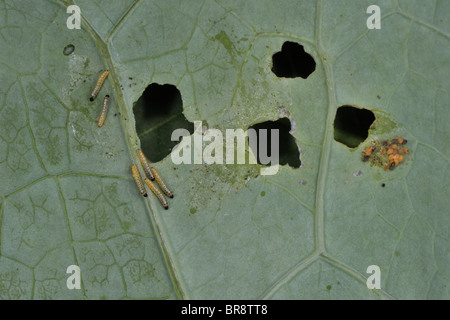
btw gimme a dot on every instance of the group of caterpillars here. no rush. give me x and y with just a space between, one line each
390 152
151 172
95 92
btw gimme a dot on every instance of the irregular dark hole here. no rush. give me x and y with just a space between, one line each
288 150
292 61
69 49
351 125
158 112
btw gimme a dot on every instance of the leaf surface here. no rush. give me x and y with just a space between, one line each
67 196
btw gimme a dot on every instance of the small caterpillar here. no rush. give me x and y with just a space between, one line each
157 193
138 180
161 183
102 117
99 84
145 164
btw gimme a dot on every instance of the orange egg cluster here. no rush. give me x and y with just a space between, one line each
390 152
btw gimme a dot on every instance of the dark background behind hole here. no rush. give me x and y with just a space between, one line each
159 111
351 125
292 61
289 151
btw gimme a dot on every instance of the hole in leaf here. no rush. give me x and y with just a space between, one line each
292 61
288 149
351 125
158 112
69 49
